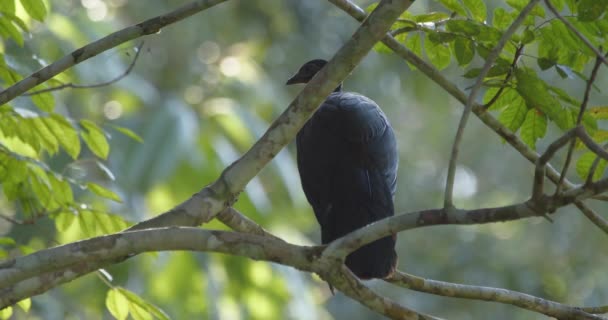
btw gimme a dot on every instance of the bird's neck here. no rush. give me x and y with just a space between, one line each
339 88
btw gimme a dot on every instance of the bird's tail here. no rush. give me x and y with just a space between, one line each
374 260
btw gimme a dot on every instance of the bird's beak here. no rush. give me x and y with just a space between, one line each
295 79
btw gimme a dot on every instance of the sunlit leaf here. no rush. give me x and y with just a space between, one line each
6 313
8 30
95 138
64 220
35 8
477 8
45 101
117 304
103 192
431 17
129 133
25 304
64 132
143 304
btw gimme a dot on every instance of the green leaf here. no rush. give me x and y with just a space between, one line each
488 34
464 27
35 8
440 37
64 220
6 313
431 17
533 128
477 8
87 223
12 17
413 42
455 6
584 163
438 54
94 138
464 50
7 6
590 10
564 96
46 137
129 133
117 304
599 112
7 29
502 19
513 116
527 37
508 97
64 132
143 304
544 63
103 192
44 101
25 304
6 241
536 94
62 191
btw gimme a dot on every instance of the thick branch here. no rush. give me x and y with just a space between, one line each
147 27
48 266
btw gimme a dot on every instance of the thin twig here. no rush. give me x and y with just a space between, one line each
516 56
579 119
14 221
598 220
96 85
491 58
572 28
593 168
541 162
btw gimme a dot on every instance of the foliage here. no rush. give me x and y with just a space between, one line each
73 164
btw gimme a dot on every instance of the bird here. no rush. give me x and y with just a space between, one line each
347 160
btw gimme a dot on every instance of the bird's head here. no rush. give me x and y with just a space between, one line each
307 71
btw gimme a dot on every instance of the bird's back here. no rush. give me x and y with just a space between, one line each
347 158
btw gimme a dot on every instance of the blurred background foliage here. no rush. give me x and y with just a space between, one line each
201 92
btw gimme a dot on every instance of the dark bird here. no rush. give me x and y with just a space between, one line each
347 159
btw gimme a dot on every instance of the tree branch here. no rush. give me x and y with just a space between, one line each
35 273
518 299
96 85
147 27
